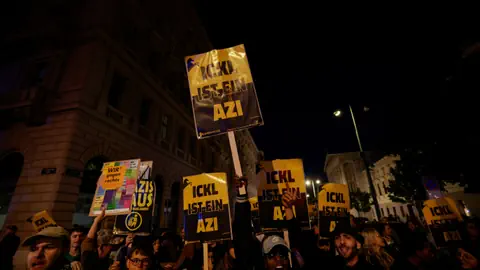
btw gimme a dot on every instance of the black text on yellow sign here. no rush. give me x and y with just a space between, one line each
334 200
277 178
144 195
206 210
222 91
199 191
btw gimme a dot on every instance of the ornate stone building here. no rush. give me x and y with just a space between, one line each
99 81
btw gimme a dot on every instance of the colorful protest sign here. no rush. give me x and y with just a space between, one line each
443 218
333 207
273 179
139 221
222 91
115 187
206 208
42 220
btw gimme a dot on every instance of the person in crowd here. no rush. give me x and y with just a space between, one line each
418 254
97 257
472 241
77 235
466 260
412 225
348 244
123 251
374 249
8 246
392 240
273 247
47 250
138 258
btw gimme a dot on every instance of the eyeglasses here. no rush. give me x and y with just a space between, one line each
272 255
139 262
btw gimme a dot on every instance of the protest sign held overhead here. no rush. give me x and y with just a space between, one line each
222 91
139 221
41 220
273 180
115 187
333 207
443 218
206 207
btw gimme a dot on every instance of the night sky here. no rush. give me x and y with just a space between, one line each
309 61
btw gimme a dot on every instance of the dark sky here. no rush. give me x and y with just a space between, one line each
308 61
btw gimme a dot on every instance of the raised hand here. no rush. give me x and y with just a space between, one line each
289 197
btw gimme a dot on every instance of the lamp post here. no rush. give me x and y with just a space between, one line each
308 182
338 113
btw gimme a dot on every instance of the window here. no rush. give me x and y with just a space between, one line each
164 127
394 211
193 146
383 212
117 89
145 112
181 139
402 210
379 190
388 211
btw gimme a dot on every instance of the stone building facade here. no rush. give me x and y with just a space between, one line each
102 81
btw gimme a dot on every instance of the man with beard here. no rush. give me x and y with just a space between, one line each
348 244
47 249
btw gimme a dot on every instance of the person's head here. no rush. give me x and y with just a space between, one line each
104 242
472 228
156 245
11 229
411 225
387 230
139 258
46 248
466 260
77 235
420 247
373 241
347 241
275 253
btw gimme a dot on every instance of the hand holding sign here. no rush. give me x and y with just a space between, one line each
288 199
241 182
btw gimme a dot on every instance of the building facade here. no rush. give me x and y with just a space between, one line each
349 169
98 84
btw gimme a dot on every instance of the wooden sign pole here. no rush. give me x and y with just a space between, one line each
236 159
205 256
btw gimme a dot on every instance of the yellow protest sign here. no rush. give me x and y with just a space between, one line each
41 220
334 200
440 209
273 181
113 177
222 91
253 203
206 207
443 219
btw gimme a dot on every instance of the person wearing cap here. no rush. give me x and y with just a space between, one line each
97 257
47 249
275 253
348 243
273 248
77 235
8 246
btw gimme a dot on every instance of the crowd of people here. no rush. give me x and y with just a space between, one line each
351 245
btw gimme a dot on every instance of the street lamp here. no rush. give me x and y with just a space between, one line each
338 113
317 182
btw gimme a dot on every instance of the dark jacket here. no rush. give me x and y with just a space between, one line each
8 248
90 259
